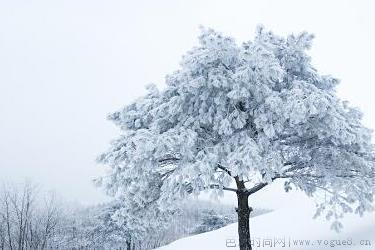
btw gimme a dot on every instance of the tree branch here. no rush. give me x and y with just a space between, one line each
168 159
314 176
216 186
256 188
224 169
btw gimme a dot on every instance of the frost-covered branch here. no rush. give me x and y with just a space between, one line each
224 169
256 188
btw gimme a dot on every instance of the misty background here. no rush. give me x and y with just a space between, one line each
64 65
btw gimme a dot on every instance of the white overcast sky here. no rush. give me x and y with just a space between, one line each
65 64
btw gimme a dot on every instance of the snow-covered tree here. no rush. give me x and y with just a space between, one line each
28 220
246 115
211 220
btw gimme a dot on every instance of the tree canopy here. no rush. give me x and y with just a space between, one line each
254 112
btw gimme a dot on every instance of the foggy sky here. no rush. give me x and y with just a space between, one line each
64 65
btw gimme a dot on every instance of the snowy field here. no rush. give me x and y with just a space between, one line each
290 223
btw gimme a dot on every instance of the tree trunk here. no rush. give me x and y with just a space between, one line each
128 245
243 212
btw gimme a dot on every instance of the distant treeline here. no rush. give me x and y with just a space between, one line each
32 219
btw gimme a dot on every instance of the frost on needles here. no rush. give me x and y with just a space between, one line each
250 114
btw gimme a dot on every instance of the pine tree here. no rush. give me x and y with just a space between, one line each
236 118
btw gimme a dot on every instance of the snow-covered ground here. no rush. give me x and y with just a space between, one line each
289 223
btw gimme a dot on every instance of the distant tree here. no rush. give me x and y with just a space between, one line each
27 221
211 221
2 231
108 233
246 114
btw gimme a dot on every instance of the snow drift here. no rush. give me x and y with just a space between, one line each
289 225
